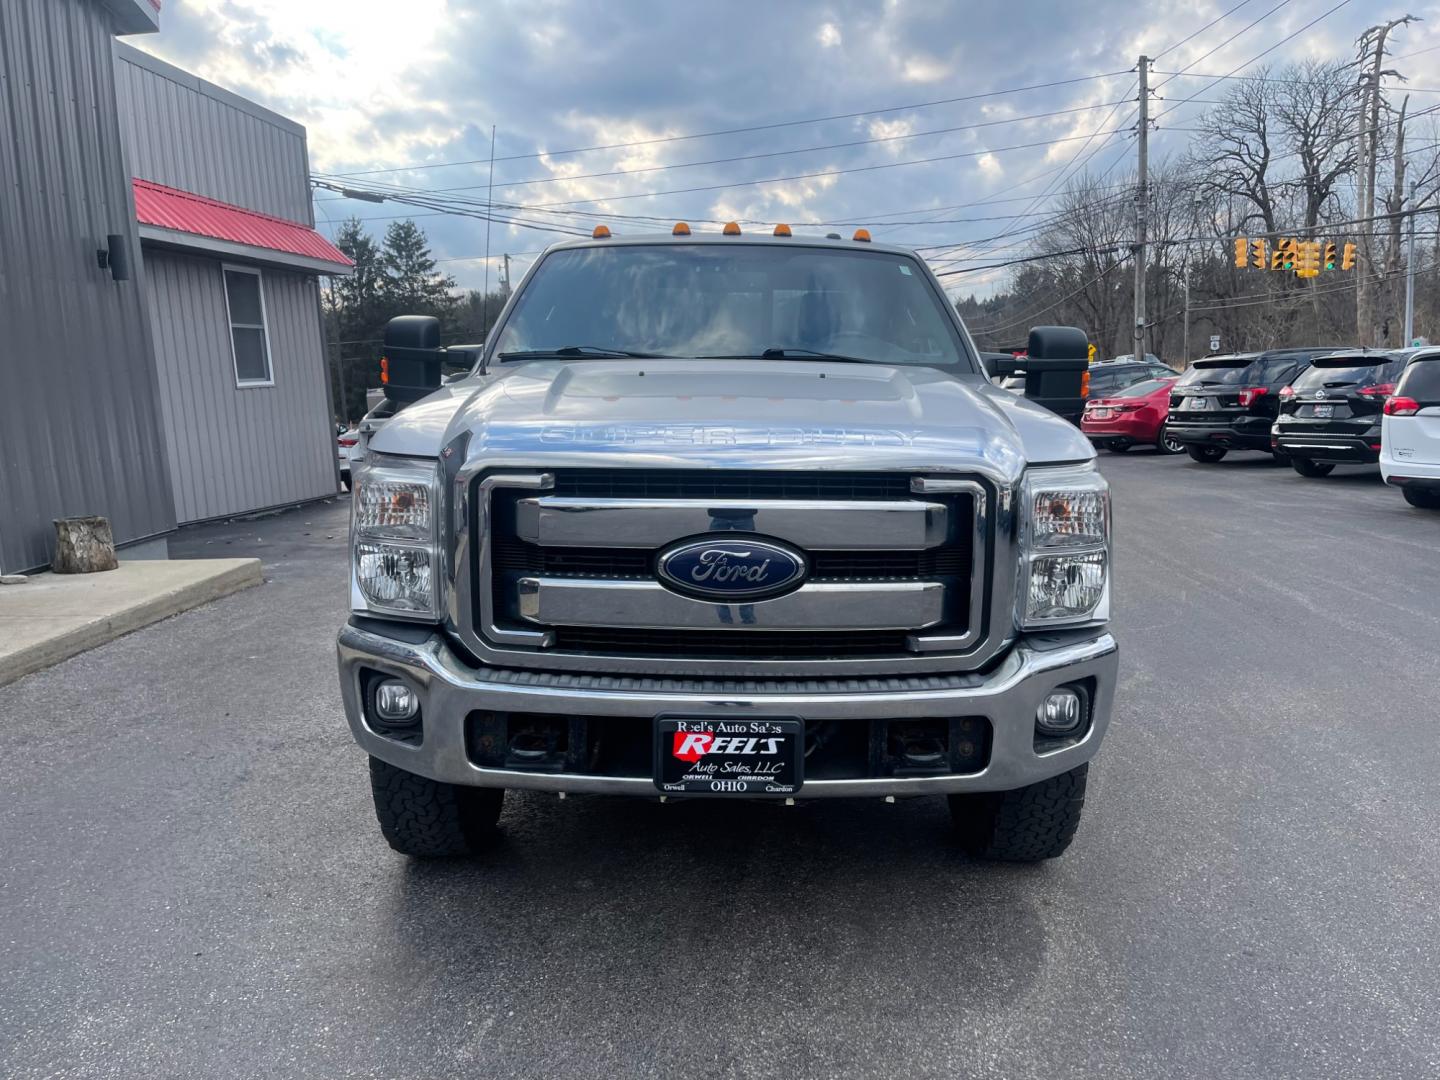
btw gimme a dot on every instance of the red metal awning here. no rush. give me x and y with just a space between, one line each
175 211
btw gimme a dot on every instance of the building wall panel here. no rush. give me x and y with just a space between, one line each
231 149
80 425
236 449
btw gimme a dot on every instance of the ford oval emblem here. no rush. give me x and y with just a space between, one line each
713 568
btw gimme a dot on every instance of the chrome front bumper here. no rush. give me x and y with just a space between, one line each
449 689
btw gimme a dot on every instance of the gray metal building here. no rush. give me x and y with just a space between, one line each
160 330
80 414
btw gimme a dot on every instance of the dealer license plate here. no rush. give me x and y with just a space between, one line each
711 756
1197 404
1324 412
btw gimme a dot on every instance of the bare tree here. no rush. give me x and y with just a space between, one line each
1312 114
1235 151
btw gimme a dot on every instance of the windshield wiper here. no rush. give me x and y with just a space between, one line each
782 354
597 351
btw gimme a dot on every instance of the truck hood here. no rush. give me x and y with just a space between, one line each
735 414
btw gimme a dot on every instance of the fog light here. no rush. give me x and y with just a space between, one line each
1060 713
396 703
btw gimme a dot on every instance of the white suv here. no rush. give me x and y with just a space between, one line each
1410 433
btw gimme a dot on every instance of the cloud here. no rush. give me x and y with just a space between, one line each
380 85
924 69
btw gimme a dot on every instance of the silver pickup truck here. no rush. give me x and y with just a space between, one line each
728 516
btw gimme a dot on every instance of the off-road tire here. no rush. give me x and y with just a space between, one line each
1421 498
426 819
1166 444
1306 467
1025 825
1207 455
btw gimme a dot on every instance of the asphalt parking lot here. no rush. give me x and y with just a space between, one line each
192 883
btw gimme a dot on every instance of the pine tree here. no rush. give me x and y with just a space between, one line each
412 284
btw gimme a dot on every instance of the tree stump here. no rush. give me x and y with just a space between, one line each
83 545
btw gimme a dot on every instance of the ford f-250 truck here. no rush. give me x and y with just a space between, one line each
728 516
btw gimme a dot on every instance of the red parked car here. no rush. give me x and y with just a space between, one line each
1133 415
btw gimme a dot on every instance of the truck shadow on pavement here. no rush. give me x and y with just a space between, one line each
683 902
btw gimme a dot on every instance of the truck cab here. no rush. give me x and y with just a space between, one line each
729 516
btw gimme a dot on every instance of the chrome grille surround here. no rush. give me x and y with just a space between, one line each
471 492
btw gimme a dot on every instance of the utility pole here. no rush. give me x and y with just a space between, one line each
507 275
1410 274
1142 206
489 213
1185 333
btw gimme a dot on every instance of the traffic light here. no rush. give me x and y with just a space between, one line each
1329 260
1348 261
1283 256
1258 258
1242 252
1307 260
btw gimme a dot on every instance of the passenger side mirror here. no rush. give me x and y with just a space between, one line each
413 358
1057 360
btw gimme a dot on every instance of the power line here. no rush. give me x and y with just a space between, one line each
810 175
1258 56
992 330
1207 26
1228 40
554 179
742 130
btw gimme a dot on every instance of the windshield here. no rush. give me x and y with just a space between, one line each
703 300
1143 389
1378 369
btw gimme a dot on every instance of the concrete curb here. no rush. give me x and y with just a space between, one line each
204 580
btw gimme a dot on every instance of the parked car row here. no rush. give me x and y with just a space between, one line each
1314 408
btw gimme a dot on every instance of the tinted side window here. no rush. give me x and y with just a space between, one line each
1422 380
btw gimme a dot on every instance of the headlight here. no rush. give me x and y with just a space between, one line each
393 538
1064 548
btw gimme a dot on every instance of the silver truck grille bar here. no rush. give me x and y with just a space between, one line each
812 524
850 605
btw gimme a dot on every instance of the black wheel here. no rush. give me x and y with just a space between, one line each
1168 444
1118 446
1421 498
1306 467
426 819
1025 825
1280 458
1208 454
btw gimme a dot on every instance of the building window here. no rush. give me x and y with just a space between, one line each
249 342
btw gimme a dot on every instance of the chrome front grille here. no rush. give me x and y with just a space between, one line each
564 573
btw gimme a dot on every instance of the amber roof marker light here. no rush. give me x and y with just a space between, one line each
732 228
863 235
680 229
782 230
602 232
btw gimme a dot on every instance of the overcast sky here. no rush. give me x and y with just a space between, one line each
387 83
